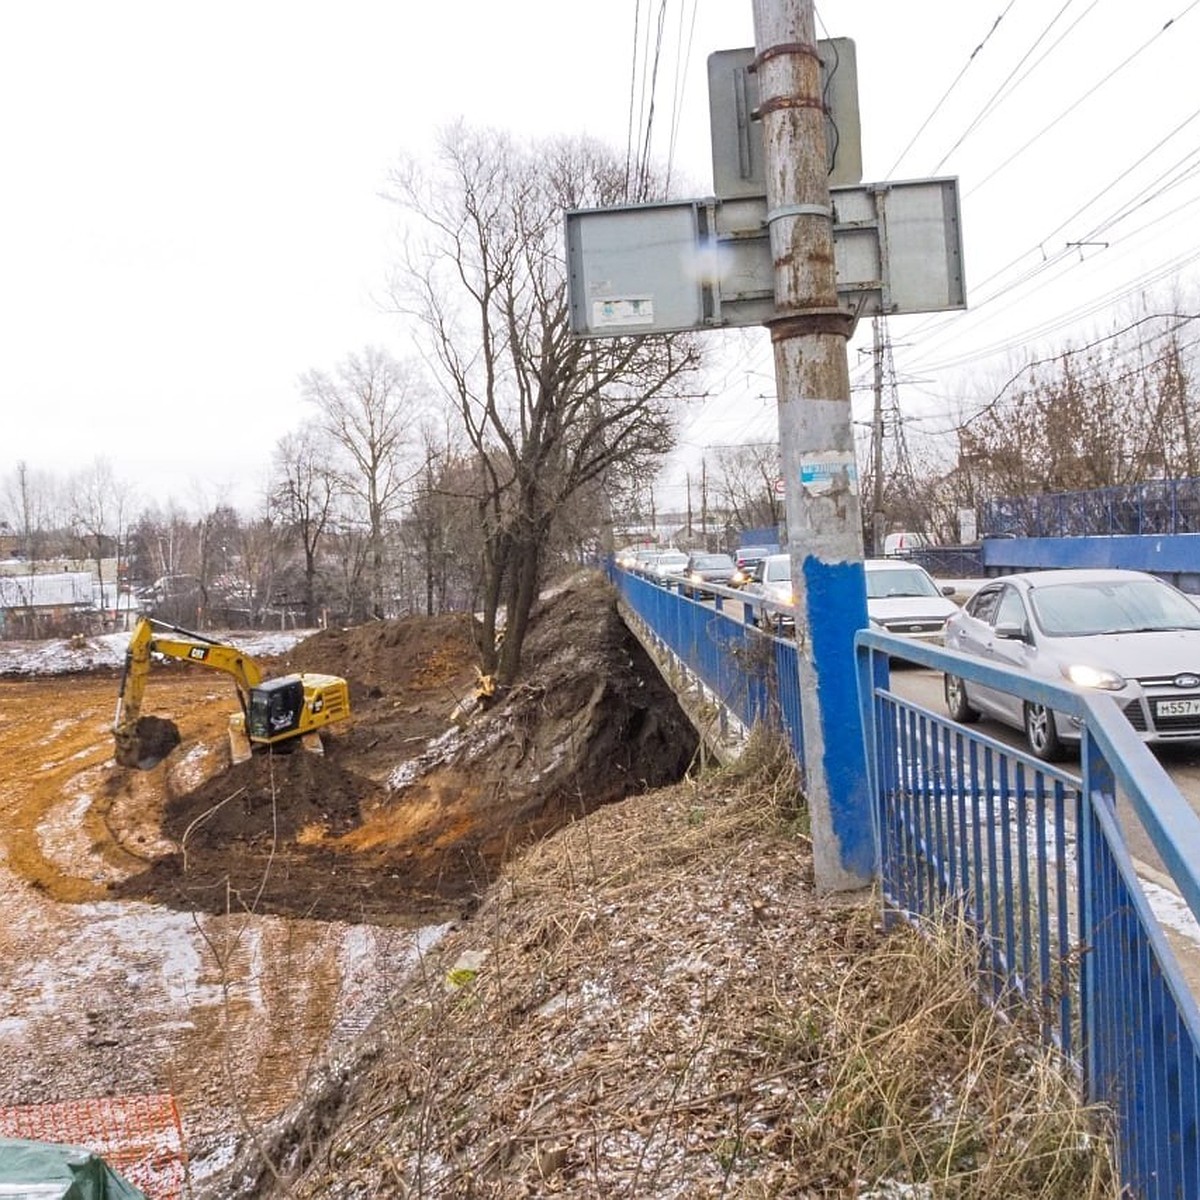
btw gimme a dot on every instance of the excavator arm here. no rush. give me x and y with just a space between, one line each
152 637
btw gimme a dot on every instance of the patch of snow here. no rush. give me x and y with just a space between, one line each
62 656
1172 911
437 751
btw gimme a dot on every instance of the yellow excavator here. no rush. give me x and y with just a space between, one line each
274 713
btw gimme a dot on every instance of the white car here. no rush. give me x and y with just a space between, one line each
669 564
771 579
1125 633
902 598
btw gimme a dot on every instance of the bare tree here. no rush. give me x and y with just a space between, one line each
29 500
307 485
544 413
99 504
1114 411
744 484
368 407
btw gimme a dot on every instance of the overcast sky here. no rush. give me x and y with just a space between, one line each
191 216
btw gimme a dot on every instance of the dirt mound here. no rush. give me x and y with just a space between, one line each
405 818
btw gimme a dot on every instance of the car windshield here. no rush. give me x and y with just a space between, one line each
779 570
672 560
1124 606
911 581
712 562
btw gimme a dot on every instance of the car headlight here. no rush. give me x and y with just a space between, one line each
696 577
1083 675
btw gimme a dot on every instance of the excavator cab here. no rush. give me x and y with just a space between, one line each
275 709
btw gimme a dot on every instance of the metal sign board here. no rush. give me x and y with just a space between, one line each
706 264
638 269
737 149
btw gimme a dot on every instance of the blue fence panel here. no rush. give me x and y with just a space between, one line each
752 674
1033 859
1155 507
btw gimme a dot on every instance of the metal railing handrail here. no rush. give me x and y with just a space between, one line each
1032 855
1127 1017
1169 821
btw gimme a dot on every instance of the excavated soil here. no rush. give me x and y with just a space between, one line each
371 832
211 931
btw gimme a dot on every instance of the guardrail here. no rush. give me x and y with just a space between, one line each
1030 855
751 677
1034 859
1156 506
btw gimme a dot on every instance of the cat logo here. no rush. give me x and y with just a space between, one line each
318 704
198 653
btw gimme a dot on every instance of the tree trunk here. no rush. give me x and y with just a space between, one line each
523 592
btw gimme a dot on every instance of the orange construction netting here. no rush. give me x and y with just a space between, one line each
140 1137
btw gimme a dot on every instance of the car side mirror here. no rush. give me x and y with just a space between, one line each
948 589
1012 632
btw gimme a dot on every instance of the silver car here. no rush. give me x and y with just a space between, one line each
1122 632
771 579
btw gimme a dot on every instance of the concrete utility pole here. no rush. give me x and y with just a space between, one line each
810 332
877 520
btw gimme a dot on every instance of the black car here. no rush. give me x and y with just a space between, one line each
746 558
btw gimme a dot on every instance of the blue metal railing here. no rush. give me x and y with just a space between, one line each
1033 858
1158 506
755 677
1030 856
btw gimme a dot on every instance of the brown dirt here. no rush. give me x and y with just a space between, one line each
388 839
333 837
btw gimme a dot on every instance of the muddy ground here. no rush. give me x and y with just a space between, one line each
301 884
348 835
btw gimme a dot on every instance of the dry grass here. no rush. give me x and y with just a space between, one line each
654 1003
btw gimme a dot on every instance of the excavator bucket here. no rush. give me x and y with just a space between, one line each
146 744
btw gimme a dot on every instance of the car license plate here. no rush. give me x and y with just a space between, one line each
1178 708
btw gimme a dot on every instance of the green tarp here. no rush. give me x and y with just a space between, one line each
46 1171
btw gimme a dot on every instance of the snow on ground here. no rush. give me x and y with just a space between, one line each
63 656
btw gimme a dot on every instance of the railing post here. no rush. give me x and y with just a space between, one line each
1098 787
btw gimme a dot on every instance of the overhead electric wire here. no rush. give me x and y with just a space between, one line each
1183 319
1059 262
1079 100
1063 320
1004 90
644 163
946 95
1153 190
633 65
682 55
1098 304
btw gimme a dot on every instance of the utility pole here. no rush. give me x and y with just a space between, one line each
809 332
877 530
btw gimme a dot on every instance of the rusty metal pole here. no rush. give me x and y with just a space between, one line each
809 332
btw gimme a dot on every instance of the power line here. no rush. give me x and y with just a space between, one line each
1077 102
946 95
1003 92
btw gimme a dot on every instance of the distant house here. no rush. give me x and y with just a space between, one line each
35 606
